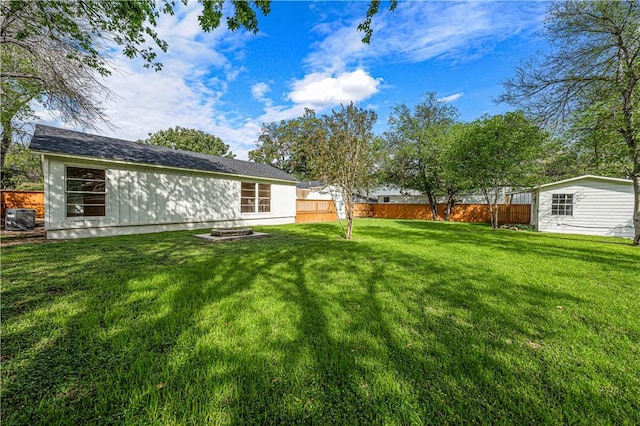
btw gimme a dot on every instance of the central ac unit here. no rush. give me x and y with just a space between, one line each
20 219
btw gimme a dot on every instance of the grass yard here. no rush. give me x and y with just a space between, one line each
413 322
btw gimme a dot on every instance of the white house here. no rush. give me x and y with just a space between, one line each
393 195
97 186
320 191
589 205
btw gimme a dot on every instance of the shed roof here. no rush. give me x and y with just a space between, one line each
585 177
53 140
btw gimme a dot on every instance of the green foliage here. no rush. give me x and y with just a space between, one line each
373 10
589 81
22 169
344 155
417 146
496 152
502 150
50 50
16 96
87 25
189 140
284 145
407 324
338 149
596 143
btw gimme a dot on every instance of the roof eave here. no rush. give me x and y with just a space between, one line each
583 177
135 163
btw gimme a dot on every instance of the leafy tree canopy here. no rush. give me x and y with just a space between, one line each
589 80
88 25
496 152
22 170
51 49
416 147
189 140
284 145
344 154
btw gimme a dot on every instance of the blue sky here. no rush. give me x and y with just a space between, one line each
309 54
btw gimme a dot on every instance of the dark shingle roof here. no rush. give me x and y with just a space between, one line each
311 184
61 141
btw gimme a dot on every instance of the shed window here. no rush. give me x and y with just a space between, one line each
562 204
385 199
86 194
255 197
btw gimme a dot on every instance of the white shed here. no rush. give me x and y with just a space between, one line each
320 191
589 205
98 186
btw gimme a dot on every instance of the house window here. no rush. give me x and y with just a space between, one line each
562 204
255 197
385 199
86 195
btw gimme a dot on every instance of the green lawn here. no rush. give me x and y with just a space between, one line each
412 322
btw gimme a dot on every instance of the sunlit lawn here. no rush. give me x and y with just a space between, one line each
412 322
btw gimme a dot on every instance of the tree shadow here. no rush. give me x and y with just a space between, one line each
302 328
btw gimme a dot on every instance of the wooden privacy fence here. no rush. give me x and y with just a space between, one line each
325 211
470 213
22 200
315 211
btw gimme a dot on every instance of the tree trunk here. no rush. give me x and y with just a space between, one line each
636 208
433 203
493 206
6 142
494 218
451 200
348 206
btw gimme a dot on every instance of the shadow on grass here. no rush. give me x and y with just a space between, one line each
301 328
523 242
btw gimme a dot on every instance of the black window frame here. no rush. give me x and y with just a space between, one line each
83 187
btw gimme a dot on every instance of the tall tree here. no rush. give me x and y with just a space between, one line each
23 170
498 152
344 155
189 140
43 69
590 75
416 147
283 145
57 47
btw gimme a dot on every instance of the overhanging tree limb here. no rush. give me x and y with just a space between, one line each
594 57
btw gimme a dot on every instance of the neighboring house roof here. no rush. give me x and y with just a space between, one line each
312 184
391 190
602 178
53 140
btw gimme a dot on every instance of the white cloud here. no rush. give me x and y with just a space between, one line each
419 31
280 112
259 90
451 98
321 90
189 91
193 88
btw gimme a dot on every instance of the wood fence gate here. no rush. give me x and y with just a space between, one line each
315 211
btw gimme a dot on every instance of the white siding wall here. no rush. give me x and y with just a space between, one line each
599 208
460 199
327 193
147 199
403 199
314 194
